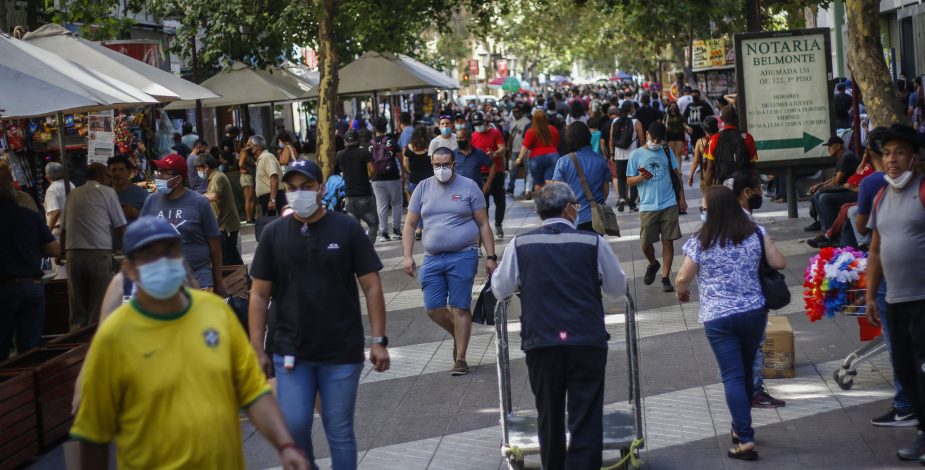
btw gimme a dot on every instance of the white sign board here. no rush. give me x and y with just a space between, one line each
784 92
102 138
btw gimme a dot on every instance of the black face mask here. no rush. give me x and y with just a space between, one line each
755 202
463 144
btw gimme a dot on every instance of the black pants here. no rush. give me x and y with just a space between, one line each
622 186
496 192
264 200
586 226
907 338
230 255
578 372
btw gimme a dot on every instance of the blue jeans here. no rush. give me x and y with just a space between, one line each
757 380
900 401
735 340
542 167
337 384
23 312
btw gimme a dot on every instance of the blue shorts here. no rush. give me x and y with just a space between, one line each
449 275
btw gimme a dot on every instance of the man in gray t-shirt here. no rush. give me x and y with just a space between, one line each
896 253
453 210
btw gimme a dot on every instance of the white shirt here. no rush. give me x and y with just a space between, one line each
506 279
684 101
55 198
93 212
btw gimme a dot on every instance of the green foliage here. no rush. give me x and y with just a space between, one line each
94 17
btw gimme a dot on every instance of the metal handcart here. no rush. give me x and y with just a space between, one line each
622 428
856 306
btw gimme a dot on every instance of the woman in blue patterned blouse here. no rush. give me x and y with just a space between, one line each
724 256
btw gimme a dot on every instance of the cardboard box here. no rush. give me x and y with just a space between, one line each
778 350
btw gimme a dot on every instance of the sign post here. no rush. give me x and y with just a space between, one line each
785 97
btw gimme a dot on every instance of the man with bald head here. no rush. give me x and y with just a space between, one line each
92 217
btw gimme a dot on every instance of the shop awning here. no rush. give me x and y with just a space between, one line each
388 73
161 84
240 85
37 82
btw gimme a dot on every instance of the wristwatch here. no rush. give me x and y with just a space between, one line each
492 257
383 340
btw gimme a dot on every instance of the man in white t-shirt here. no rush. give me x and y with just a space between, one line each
55 196
626 194
446 138
519 124
685 98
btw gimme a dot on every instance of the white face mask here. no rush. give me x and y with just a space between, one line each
443 174
653 146
303 203
901 181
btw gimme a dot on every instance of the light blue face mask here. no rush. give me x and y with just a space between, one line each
703 216
445 131
162 186
162 279
479 128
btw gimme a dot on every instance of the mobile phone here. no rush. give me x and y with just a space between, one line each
645 172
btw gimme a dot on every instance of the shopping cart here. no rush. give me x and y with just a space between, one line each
856 306
622 428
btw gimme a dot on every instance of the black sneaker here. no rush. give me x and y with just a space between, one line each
634 208
621 205
814 242
396 234
666 285
651 271
460 368
813 227
764 399
895 418
384 237
499 232
916 452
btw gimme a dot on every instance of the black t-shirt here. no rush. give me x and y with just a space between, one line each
351 162
647 115
227 143
314 274
847 164
695 114
420 165
22 242
842 108
394 173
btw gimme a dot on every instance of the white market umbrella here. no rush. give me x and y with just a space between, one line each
161 84
375 72
240 85
30 68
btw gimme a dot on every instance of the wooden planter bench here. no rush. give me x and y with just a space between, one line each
54 370
76 337
18 421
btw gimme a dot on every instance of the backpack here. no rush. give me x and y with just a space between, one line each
730 155
335 191
383 160
882 193
624 133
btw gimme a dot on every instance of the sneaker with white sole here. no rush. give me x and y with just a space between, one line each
461 368
895 418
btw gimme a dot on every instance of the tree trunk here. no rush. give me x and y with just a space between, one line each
867 65
753 15
327 89
679 57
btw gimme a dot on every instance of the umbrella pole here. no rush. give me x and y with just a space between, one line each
63 153
375 104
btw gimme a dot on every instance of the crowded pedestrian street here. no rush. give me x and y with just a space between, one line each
416 416
502 234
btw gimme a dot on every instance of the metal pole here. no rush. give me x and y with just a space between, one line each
199 128
791 194
63 153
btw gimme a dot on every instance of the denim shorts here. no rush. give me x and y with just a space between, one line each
449 275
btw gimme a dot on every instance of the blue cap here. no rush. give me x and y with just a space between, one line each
146 230
308 168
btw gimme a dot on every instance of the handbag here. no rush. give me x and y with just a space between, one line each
675 178
773 283
603 218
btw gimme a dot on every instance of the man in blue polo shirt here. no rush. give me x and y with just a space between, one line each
469 160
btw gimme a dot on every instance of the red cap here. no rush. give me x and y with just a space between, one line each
172 162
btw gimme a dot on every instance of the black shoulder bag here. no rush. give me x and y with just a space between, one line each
773 283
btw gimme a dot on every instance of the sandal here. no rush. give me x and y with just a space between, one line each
739 453
733 437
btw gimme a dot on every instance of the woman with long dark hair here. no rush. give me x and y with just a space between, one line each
417 164
576 112
724 256
541 140
676 127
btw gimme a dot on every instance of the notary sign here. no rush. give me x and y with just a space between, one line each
785 92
